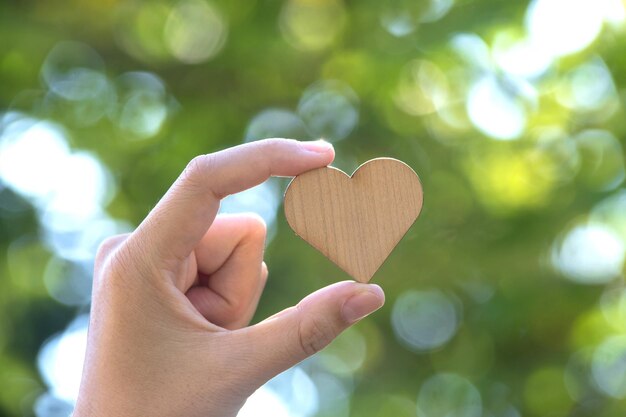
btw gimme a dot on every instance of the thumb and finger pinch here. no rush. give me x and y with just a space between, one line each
183 216
151 350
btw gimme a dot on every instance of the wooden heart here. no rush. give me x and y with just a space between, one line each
357 220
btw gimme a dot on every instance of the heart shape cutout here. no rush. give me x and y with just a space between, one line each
356 220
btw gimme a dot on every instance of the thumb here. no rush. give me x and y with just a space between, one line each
296 333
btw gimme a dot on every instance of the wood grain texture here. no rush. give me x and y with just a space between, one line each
357 220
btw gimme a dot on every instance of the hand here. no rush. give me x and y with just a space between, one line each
167 335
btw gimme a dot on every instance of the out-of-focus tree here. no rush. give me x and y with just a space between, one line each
506 298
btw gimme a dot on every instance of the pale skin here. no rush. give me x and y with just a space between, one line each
169 333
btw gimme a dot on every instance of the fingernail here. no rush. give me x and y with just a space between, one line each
363 303
320 146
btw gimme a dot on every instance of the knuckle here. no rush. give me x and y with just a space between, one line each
119 260
274 146
125 270
202 174
121 274
270 144
111 281
107 246
313 335
106 266
235 308
255 226
196 165
118 263
197 169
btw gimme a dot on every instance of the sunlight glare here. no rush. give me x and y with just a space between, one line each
494 111
590 254
563 27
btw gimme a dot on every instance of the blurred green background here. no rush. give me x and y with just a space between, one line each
506 298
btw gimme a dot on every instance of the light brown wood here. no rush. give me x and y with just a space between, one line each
357 220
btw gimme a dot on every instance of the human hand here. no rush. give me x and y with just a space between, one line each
167 333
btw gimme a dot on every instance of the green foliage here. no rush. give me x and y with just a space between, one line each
505 298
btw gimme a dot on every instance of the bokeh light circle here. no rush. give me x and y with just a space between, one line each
139 30
398 23
264 403
589 87
608 367
346 354
329 110
74 71
610 212
519 56
61 358
580 22
590 254
276 123
48 405
31 155
448 394
297 391
494 110
436 10
424 320
195 31
68 282
602 159
312 25
143 104
545 392
422 89
77 84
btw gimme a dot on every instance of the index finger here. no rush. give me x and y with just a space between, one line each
184 214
